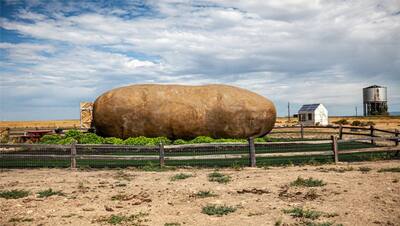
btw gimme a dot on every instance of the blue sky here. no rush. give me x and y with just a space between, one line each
55 54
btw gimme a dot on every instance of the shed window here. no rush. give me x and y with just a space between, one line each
309 116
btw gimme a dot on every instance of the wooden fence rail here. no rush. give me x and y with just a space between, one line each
159 151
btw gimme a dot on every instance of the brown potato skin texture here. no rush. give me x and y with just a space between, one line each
179 111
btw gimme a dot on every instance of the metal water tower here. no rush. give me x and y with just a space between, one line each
375 100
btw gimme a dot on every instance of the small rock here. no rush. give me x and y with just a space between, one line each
88 209
108 208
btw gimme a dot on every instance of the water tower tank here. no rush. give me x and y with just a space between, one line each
375 100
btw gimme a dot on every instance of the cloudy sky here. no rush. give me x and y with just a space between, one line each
54 54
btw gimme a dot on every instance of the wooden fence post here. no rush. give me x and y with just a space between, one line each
372 134
335 148
302 131
162 160
397 141
73 155
340 132
252 152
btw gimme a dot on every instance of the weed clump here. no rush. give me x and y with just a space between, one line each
134 219
218 210
49 192
364 169
297 212
180 176
205 194
218 177
310 182
14 194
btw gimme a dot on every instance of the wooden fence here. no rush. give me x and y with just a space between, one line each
157 153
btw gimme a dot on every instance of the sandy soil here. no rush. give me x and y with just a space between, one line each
350 197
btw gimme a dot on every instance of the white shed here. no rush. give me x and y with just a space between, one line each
313 114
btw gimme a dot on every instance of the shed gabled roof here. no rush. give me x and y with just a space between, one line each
309 107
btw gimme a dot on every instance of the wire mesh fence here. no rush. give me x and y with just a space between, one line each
195 155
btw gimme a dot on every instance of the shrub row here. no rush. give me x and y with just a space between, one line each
354 123
91 138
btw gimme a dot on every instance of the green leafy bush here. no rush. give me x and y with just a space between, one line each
356 123
219 177
180 176
90 138
14 194
49 192
50 139
158 140
137 141
74 134
297 212
310 182
201 140
260 139
342 122
113 140
68 140
180 141
146 141
218 210
228 140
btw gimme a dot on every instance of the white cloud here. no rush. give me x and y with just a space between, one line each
297 51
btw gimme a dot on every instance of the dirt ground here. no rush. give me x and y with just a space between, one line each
259 195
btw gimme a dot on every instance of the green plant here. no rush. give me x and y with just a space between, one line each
73 133
113 140
202 139
364 169
356 123
393 170
218 177
50 139
310 223
205 194
180 141
67 140
297 212
134 219
218 210
236 166
14 194
172 224
90 138
259 139
49 192
310 182
158 140
342 122
180 176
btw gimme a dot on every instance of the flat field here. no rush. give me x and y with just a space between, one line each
383 122
349 194
70 123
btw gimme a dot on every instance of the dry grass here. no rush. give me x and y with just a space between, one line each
70 123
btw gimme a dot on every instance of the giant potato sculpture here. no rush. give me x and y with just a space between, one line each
177 111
